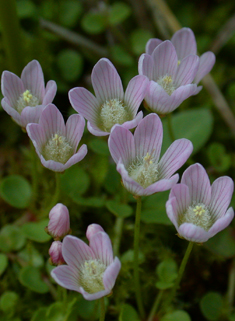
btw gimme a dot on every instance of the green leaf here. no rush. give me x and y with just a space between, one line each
87 309
35 231
8 300
121 56
31 256
112 180
194 124
89 201
118 209
128 313
211 305
154 209
59 312
178 315
94 23
75 181
139 38
119 12
128 257
11 238
218 157
16 191
99 146
223 243
167 273
25 9
39 315
70 63
30 277
3 263
70 10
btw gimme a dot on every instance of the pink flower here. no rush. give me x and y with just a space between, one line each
110 106
25 97
198 210
59 223
91 270
137 157
56 143
185 44
55 253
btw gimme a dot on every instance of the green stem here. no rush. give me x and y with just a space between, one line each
34 172
170 127
11 34
155 305
102 309
136 258
118 235
180 274
56 195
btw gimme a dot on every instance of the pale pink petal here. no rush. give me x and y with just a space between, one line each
74 130
175 156
187 70
171 210
111 274
134 122
12 87
206 63
161 185
181 194
151 45
37 135
184 42
59 222
180 94
135 93
106 81
93 229
157 99
165 60
101 245
148 137
31 114
33 79
146 66
85 104
52 165
11 111
121 145
94 296
50 92
67 277
76 252
193 233
77 157
94 130
221 194
197 180
222 222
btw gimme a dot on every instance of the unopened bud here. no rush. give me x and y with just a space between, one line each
59 224
55 252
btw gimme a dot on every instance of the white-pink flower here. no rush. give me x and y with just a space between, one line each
197 209
91 269
59 222
137 157
110 105
25 97
56 143
55 252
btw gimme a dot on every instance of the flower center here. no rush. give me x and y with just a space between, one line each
197 214
144 171
26 99
91 276
57 149
167 84
113 112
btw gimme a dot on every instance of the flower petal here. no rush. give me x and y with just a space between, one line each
193 233
175 156
184 42
31 114
94 296
221 194
157 99
222 222
94 130
37 135
111 274
187 70
101 245
165 60
148 137
74 130
106 81
197 180
81 153
206 63
50 92
135 93
33 79
12 87
11 111
146 66
171 210
182 197
134 122
161 185
67 277
93 229
151 45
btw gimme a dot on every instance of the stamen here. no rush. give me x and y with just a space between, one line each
91 276
113 112
167 84
26 99
57 149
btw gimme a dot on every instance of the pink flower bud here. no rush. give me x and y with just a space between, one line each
93 229
55 253
59 224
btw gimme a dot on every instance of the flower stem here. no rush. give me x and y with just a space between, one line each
155 305
180 274
118 234
102 309
34 172
170 127
136 258
55 197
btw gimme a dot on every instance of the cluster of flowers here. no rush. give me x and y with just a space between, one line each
169 72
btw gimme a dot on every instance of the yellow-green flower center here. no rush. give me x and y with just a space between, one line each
26 99
57 149
167 84
91 276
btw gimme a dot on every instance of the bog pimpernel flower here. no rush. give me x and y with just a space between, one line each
170 81
59 222
110 105
55 252
198 210
56 143
137 157
25 97
185 44
91 270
